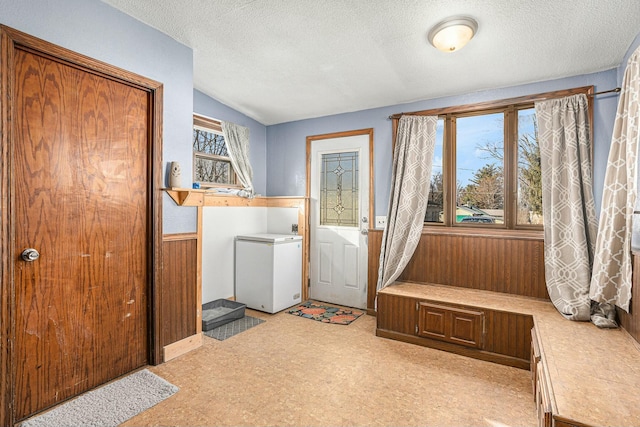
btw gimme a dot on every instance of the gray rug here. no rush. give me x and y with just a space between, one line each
232 328
110 404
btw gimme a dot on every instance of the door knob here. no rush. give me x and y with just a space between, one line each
364 232
30 255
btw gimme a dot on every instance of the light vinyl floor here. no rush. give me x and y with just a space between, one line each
291 371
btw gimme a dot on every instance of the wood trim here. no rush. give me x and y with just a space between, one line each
375 242
234 201
630 322
186 197
34 44
207 122
157 102
7 297
454 348
559 421
179 236
199 272
501 103
181 347
488 233
11 39
190 197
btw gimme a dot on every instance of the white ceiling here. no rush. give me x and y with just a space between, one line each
284 60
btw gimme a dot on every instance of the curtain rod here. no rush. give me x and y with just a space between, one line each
616 90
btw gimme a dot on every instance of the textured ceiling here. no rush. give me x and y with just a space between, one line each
284 60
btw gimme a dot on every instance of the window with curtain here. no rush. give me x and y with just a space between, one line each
211 162
486 167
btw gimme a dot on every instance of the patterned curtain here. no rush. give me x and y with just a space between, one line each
237 139
568 207
611 282
412 163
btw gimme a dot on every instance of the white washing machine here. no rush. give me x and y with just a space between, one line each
268 271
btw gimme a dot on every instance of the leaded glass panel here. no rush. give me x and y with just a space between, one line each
339 190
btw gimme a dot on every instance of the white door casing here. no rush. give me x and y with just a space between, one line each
338 248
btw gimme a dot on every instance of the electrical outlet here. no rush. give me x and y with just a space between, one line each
381 221
294 228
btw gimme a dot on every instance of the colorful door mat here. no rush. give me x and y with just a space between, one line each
325 313
228 330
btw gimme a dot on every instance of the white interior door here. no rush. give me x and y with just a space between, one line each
339 220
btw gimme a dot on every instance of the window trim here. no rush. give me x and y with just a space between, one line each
214 126
510 107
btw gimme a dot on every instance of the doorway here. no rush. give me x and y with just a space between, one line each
340 190
81 223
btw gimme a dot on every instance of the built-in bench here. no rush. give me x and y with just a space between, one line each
581 375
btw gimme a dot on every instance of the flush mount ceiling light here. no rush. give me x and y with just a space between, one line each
453 33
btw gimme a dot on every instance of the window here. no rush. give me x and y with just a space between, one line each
480 168
435 204
529 172
211 163
486 167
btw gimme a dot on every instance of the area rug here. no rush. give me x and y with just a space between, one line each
230 329
326 313
109 405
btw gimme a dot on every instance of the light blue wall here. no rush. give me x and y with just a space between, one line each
286 161
205 105
623 65
97 30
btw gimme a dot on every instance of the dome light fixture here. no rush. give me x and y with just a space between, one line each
453 33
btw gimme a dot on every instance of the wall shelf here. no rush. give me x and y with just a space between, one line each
203 197
186 196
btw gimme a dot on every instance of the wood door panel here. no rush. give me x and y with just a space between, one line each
433 322
466 328
452 324
81 198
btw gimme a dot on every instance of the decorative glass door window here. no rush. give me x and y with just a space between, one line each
339 193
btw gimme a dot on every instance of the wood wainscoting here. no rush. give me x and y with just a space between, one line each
504 261
631 321
179 316
178 306
375 241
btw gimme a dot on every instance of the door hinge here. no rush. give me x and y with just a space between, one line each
416 329
308 283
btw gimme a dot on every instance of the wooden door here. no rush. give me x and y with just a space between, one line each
82 166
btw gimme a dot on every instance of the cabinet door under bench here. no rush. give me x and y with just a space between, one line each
454 325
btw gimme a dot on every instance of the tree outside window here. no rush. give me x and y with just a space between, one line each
211 163
494 159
